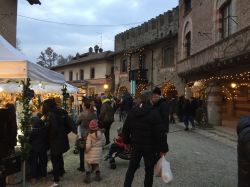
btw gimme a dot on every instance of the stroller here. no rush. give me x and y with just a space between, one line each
125 155
118 151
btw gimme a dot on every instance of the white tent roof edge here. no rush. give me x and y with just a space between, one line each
15 65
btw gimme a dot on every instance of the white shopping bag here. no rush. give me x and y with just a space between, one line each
162 169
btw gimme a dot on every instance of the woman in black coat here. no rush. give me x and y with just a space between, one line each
56 119
243 131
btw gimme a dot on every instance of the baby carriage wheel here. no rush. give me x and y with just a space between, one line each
112 165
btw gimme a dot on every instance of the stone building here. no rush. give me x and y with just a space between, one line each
145 56
8 19
214 53
90 71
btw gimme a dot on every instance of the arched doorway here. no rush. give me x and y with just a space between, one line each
169 90
121 91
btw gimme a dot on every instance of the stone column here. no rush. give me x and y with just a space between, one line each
214 103
188 92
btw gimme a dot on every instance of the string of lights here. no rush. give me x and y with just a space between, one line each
79 25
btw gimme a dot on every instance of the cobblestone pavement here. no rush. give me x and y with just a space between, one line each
196 161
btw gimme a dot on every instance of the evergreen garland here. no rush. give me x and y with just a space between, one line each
65 96
25 126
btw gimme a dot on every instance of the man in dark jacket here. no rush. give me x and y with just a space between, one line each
58 136
243 131
106 117
39 144
162 106
143 131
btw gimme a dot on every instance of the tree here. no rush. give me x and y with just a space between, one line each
61 60
48 58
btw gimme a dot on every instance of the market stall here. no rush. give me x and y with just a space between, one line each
21 77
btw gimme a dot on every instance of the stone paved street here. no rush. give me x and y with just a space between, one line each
196 161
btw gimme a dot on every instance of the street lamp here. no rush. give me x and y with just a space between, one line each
106 86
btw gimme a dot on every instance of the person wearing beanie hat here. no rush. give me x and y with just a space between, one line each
161 104
93 152
143 130
93 126
157 91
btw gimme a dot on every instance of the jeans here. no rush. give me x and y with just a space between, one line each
58 166
81 157
38 164
114 149
150 158
187 119
106 133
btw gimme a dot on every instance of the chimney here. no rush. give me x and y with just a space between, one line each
90 50
96 48
100 50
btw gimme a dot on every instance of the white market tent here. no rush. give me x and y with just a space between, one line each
15 65
13 87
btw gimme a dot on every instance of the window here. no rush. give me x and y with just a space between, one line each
92 73
112 70
188 44
124 66
142 64
227 21
70 76
187 6
62 72
77 76
81 75
168 57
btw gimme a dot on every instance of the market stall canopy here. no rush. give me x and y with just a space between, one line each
12 87
15 65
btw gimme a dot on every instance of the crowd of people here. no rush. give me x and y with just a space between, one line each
143 133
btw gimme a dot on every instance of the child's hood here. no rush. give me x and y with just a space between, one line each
98 137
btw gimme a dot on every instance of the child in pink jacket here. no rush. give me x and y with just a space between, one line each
93 152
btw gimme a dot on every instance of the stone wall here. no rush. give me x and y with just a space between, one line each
156 28
204 22
8 20
153 62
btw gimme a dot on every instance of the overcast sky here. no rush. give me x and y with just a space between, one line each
35 36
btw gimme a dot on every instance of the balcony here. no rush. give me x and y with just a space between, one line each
138 75
217 56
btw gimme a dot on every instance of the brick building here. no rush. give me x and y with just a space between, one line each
214 52
146 55
90 71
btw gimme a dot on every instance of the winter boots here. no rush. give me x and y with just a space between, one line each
87 178
97 178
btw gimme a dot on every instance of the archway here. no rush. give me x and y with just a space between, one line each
121 91
169 90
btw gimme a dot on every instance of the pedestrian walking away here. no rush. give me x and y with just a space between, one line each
144 132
